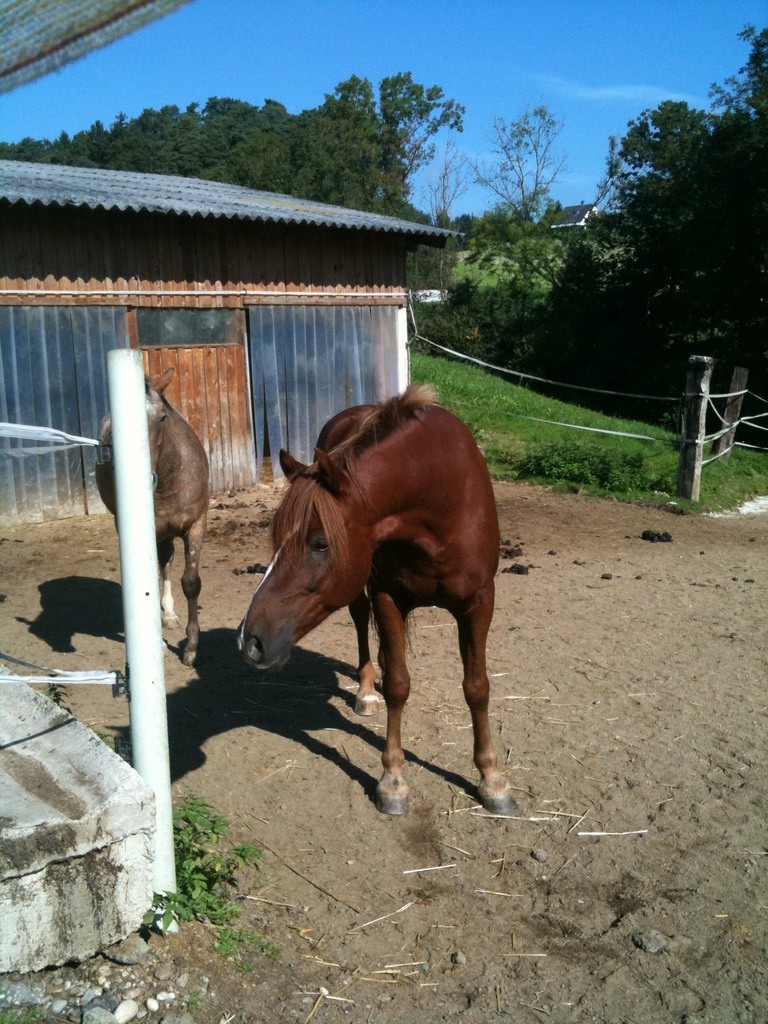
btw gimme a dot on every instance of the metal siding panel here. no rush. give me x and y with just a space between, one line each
338 380
322 403
31 486
108 330
384 352
256 370
273 353
12 500
65 497
292 357
305 346
352 340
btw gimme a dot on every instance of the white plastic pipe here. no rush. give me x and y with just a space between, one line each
141 598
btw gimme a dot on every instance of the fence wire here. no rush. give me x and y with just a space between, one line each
728 427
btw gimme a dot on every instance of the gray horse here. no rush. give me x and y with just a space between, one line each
181 496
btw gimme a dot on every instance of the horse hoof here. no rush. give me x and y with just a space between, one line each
498 803
391 803
365 706
189 657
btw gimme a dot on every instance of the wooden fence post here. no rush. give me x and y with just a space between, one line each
694 426
732 411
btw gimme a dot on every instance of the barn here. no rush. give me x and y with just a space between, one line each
275 313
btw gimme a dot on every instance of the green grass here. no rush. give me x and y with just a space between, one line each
517 448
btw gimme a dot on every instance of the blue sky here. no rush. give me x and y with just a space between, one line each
596 64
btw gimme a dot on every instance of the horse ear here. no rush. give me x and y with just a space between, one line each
163 380
290 466
330 475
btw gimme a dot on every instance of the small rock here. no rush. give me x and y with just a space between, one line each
130 951
540 856
21 993
650 942
97 1015
458 958
59 1006
163 972
126 1011
152 1005
607 576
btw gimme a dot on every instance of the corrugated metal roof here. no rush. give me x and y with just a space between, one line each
57 185
39 36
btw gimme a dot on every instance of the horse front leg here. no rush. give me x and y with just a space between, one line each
164 560
493 791
367 700
392 792
190 584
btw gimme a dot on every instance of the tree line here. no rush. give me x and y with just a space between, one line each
360 148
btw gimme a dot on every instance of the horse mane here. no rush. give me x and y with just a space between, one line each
307 499
379 421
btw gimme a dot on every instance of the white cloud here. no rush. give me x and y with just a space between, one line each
646 95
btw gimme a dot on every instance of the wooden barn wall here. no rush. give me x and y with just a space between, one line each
86 260
209 388
54 256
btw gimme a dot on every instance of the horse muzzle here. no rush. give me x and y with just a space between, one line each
261 650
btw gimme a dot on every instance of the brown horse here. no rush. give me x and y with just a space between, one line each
401 505
180 475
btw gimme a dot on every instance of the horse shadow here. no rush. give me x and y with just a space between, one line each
295 702
77 604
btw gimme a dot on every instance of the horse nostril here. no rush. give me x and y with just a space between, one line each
253 650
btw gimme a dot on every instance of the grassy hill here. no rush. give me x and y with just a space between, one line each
506 421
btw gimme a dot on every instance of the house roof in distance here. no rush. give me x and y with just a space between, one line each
575 216
93 188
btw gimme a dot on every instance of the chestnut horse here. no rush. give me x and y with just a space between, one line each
180 477
400 504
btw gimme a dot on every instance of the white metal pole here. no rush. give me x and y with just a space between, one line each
141 598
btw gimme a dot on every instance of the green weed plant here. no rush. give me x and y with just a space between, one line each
206 872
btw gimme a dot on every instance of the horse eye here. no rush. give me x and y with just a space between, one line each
319 545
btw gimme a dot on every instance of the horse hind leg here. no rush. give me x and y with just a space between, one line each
367 700
190 584
165 558
493 791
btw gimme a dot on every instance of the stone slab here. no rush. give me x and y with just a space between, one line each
77 831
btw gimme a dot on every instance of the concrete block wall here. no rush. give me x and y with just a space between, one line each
77 829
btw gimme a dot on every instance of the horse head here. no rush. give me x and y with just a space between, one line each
321 562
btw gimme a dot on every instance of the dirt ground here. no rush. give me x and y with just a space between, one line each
629 711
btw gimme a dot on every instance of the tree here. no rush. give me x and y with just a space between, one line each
357 149
526 163
410 116
336 155
449 183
